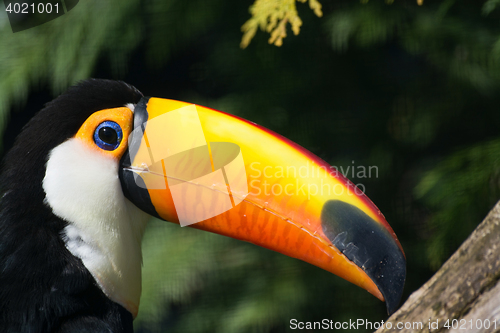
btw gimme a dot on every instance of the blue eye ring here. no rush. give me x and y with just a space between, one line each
108 135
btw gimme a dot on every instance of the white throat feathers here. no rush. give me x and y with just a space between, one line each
104 228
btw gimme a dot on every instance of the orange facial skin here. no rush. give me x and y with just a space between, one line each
123 116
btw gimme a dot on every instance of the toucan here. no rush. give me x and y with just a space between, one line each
90 169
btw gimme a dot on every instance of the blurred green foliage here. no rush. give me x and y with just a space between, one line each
451 191
410 89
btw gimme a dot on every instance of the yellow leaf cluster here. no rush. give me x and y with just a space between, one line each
273 16
390 2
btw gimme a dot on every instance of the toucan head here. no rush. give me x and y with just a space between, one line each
120 158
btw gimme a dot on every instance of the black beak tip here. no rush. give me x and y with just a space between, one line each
391 283
369 245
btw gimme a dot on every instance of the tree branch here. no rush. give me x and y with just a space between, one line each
466 288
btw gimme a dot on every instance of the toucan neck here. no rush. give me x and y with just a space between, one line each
104 228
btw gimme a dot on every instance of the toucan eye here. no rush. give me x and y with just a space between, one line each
108 135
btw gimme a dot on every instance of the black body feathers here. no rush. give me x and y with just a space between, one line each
43 287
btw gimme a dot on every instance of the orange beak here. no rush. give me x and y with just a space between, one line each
204 168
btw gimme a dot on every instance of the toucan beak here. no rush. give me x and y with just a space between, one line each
213 171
